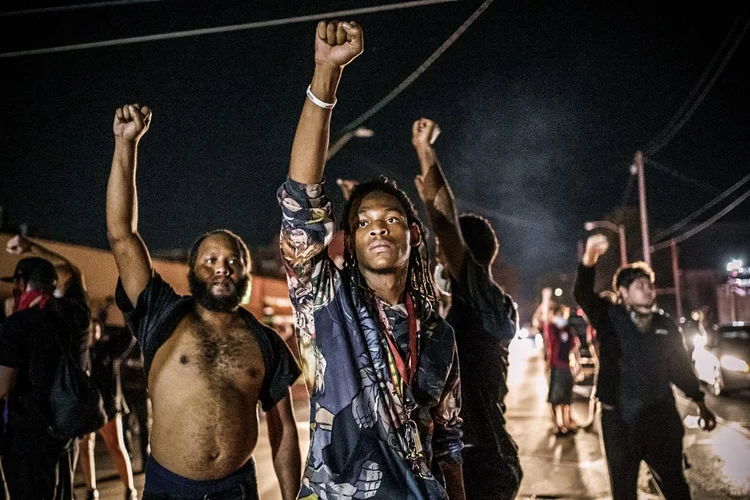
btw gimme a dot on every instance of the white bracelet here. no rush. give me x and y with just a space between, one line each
318 102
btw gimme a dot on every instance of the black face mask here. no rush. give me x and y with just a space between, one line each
226 303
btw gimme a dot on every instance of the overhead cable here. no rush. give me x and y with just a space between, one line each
222 29
703 209
703 225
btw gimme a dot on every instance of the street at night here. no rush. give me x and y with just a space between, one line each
556 467
493 250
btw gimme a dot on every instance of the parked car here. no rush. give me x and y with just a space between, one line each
722 358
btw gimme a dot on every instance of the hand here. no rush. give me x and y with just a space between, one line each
337 43
596 246
424 133
347 186
18 245
546 293
131 122
708 417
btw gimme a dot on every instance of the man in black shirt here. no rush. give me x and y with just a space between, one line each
207 360
485 321
36 464
641 355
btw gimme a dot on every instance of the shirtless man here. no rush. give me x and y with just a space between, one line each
208 361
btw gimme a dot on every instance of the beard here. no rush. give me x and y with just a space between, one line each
223 303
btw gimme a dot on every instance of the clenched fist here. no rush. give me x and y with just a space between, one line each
424 133
596 246
347 186
337 43
131 122
18 245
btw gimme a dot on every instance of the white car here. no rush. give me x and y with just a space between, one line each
722 358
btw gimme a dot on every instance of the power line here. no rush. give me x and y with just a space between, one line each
701 210
703 186
45 10
699 84
702 226
668 135
223 29
421 69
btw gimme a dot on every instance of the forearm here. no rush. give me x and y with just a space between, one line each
454 480
583 288
48 254
311 138
288 465
282 435
439 200
122 201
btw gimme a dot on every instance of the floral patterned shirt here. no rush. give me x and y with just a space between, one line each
357 405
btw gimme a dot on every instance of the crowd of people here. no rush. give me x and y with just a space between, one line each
405 357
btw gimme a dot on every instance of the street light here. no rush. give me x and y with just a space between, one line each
618 228
361 133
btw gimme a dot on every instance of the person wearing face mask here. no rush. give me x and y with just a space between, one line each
36 463
560 343
642 354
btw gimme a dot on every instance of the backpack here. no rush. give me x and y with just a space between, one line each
74 405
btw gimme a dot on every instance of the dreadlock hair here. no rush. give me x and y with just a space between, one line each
479 236
419 282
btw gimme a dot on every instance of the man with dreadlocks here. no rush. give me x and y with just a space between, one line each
485 321
208 361
380 364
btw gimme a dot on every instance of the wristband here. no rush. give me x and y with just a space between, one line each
318 102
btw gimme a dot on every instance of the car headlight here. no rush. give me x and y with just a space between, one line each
734 364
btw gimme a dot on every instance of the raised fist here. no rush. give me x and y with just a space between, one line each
18 245
337 43
424 132
347 186
596 246
131 122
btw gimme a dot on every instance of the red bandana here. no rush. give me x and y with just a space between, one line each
27 299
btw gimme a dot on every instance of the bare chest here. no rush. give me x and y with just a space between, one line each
220 357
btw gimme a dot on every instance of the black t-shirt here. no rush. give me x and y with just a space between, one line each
485 321
28 344
160 309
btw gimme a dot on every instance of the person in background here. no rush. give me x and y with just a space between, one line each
560 343
36 464
642 354
484 319
108 345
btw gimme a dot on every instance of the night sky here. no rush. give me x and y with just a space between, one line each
541 109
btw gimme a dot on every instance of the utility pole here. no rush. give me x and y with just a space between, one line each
638 164
676 275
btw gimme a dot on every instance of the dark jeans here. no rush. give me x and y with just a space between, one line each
655 439
490 476
39 477
163 484
243 491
